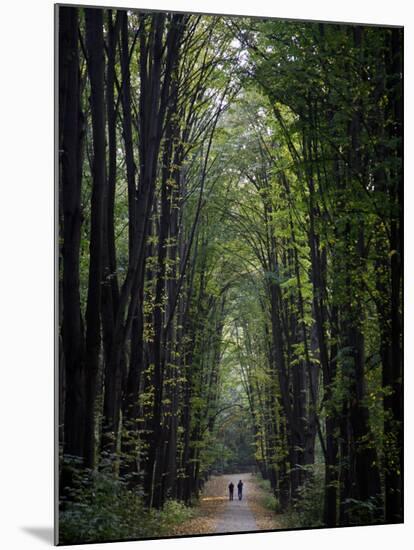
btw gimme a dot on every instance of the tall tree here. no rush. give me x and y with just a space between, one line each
95 49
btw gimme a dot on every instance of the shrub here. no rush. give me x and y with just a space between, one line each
270 502
307 510
100 508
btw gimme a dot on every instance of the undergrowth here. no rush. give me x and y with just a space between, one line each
307 508
268 499
100 508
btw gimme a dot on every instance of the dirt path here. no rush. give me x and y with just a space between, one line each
216 514
237 516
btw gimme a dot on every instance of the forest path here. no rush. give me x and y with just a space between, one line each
215 513
237 516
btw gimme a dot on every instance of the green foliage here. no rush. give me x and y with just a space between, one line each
363 512
307 510
268 500
101 508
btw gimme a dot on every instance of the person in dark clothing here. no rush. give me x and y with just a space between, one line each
240 489
231 490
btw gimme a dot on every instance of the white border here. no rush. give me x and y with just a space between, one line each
26 272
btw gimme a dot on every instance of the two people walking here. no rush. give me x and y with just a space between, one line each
239 490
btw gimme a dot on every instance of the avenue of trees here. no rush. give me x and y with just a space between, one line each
230 265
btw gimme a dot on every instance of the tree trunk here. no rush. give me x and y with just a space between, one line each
95 49
70 149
